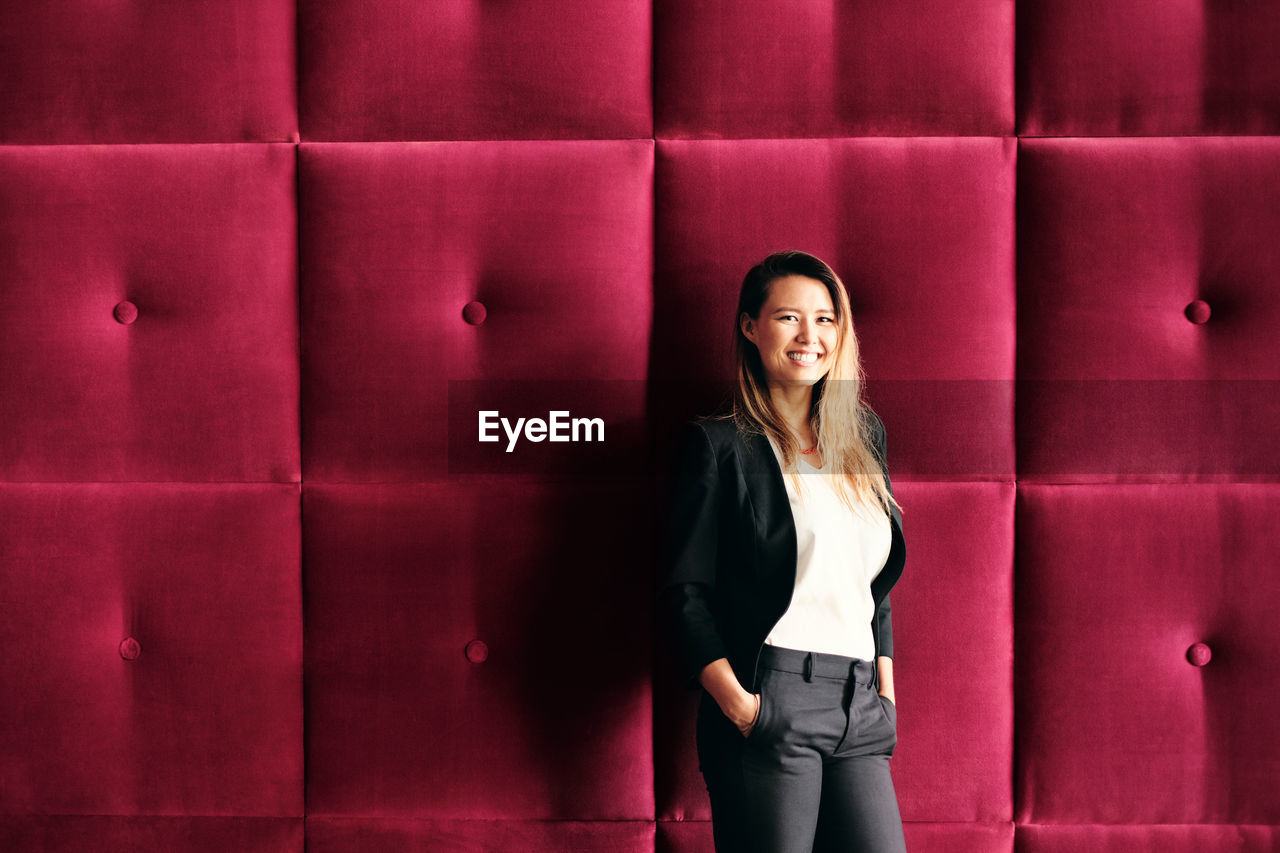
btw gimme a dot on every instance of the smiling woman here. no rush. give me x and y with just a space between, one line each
777 589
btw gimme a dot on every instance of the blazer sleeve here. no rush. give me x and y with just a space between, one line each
884 615
690 540
884 628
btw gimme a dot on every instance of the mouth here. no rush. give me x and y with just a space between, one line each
805 358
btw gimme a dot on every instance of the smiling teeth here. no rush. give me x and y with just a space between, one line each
810 358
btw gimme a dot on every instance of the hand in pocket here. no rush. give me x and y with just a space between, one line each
750 727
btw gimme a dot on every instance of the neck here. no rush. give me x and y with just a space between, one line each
793 403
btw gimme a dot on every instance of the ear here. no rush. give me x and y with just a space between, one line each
748 326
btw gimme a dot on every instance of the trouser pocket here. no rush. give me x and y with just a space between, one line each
890 710
872 726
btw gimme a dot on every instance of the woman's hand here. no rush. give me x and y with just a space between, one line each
739 707
884 667
748 720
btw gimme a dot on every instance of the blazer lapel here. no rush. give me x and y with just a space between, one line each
775 525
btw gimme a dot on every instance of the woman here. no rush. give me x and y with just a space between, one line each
782 543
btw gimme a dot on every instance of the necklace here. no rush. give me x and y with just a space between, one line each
813 449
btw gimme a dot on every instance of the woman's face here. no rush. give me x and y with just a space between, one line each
796 331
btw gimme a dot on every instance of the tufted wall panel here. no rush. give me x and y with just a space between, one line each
261 588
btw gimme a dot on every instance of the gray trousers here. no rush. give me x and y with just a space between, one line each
813 774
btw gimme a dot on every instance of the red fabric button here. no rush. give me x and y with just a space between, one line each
1197 311
477 651
130 648
126 312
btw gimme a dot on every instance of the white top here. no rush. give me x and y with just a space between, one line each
838 553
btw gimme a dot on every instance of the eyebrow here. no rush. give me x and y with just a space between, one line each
798 311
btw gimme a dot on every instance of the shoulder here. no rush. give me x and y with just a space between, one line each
711 440
717 429
722 433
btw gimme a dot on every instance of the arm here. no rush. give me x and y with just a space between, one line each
684 602
689 557
884 620
884 662
885 666
736 703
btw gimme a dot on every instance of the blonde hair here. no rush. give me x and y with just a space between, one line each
840 418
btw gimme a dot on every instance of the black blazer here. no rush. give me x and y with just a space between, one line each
729 553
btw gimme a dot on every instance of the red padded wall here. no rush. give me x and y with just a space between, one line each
262 589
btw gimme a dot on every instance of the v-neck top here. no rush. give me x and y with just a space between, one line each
838 553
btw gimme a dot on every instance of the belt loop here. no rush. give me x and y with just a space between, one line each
808 667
